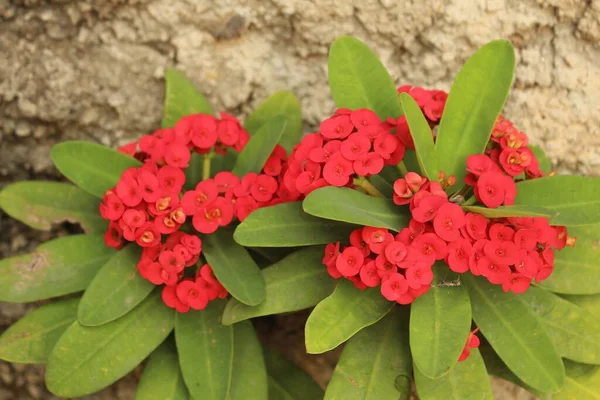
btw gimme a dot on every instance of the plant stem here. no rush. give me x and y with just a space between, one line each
470 201
402 168
206 166
368 187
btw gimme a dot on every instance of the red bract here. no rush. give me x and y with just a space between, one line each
473 342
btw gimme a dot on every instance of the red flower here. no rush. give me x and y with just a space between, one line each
356 240
473 342
369 274
363 117
395 252
427 208
350 261
129 192
501 252
384 267
113 237
332 251
171 179
459 253
192 293
355 147
368 164
448 221
479 164
525 239
244 206
147 235
323 154
385 145
476 226
169 297
177 155
336 127
263 188
528 263
192 243
337 170
158 274
218 213
394 286
495 273
501 233
228 132
491 189
194 200
171 260
418 276
226 182
112 208
202 129
517 284
430 246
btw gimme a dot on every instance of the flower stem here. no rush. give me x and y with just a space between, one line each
402 168
368 187
206 166
470 201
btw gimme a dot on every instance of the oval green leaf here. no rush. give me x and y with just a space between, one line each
115 290
287 381
574 332
372 362
287 225
467 380
475 100
297 282
591 304
359 80
58 267
234 267
575 198
249 374
31 339
511 211
87 359
181 99
205 349
422 136
516 334
162 378
338 317
260 146
283 103
383 186
440 322
582 382
92 167
354 207
44 204
194 171
576 268
543 160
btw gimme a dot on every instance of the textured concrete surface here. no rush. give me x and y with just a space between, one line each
92 69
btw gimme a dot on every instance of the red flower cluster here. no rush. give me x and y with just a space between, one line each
349 144
473 342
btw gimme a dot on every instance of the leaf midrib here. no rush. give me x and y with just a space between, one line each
63 322
584 387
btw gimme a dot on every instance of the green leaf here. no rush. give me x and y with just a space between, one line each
224 162
389 173
575 198
234 267
422 136
287 225
58 267
40 205
467 380
92 167
383 186
341 315
373 361
249 374
283 103
193 173
516 334
576 268
544 161
181 99
355 207
287 381
260 146
582 382
591 304
115 290
476 98
511 211
440 322
31 339
205 349
162 377
359 80
297 282
87 359
574 332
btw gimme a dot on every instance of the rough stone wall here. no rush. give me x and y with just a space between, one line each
92 69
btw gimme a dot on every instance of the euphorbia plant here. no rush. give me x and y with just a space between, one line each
157 259
467 255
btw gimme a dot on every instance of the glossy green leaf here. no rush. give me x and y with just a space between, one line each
87 359
181 98
234 267
574 332
355 207
373 361
115 290
224 162
511 211
193 173
283 103
475 100
581 382
58 267
287 225
576 268
591 304
92 167
161 378
467 380
341 315
440 322
287 381
390 173
205 349
516 334
297 282
359 80
422 136
260 146
575 198
249 374
43 204
31 339
383 186
543 160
